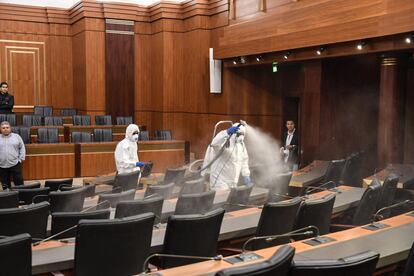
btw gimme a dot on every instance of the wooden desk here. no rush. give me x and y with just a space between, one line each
118 131
404 171
393 244
309 175
98 158
54 255
49 161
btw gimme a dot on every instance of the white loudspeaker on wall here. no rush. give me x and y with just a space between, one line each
215 73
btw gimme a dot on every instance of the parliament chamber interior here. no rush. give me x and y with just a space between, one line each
207 137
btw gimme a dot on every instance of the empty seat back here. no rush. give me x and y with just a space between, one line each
165 190
136 207
124 120
105 120
81 120
16 255
195 203
68 111
102 135
32 120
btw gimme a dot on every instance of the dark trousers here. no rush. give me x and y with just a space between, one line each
15 172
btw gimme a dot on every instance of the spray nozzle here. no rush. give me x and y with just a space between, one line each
243 123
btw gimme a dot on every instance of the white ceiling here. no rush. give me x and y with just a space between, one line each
70 3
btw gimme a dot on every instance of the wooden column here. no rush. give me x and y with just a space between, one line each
310 111
391 111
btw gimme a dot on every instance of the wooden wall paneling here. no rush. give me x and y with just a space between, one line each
311 23
310 111
79 71
409 115
60 72
119 68
349 106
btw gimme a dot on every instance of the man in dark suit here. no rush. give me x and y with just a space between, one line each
290 149
6 100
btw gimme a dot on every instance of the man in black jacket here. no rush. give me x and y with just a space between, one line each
6 100
290 150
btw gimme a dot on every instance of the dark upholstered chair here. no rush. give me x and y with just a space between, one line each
113 247
280 188
47 135
165 190
115 198
278 264
54 185
143 135
16 255
362 264
238 195
32 120
127 181
81 120
364 211
334 171
193 187
195 203
146 170
276 218
194 235
174 175
53 121
68 201
35 195
32 185
102 135
11 118
30 219
409 265
81 137
352 173
24 133
64 220
9 199
68 112
316 212
124 120
43 110
103 120
163 135
139 206
388 191
89 189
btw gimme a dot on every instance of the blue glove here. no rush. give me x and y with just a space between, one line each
247 180
140 164
232 130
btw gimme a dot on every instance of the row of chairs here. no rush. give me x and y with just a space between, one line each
77 120
346 171
184 236
51 135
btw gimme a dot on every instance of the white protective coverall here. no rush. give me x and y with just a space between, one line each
126 152
225 171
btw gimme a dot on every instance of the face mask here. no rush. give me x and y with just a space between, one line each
134 138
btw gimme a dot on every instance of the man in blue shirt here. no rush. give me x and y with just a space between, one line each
12 153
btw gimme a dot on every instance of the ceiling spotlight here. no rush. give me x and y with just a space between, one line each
235 61
361 45
286 55
259 58
320 51
409 39
243 59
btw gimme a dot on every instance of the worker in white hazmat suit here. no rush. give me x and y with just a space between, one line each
126 152
233 161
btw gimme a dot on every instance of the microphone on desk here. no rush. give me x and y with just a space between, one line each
244 205
310 189
145 265
305 231
377 216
